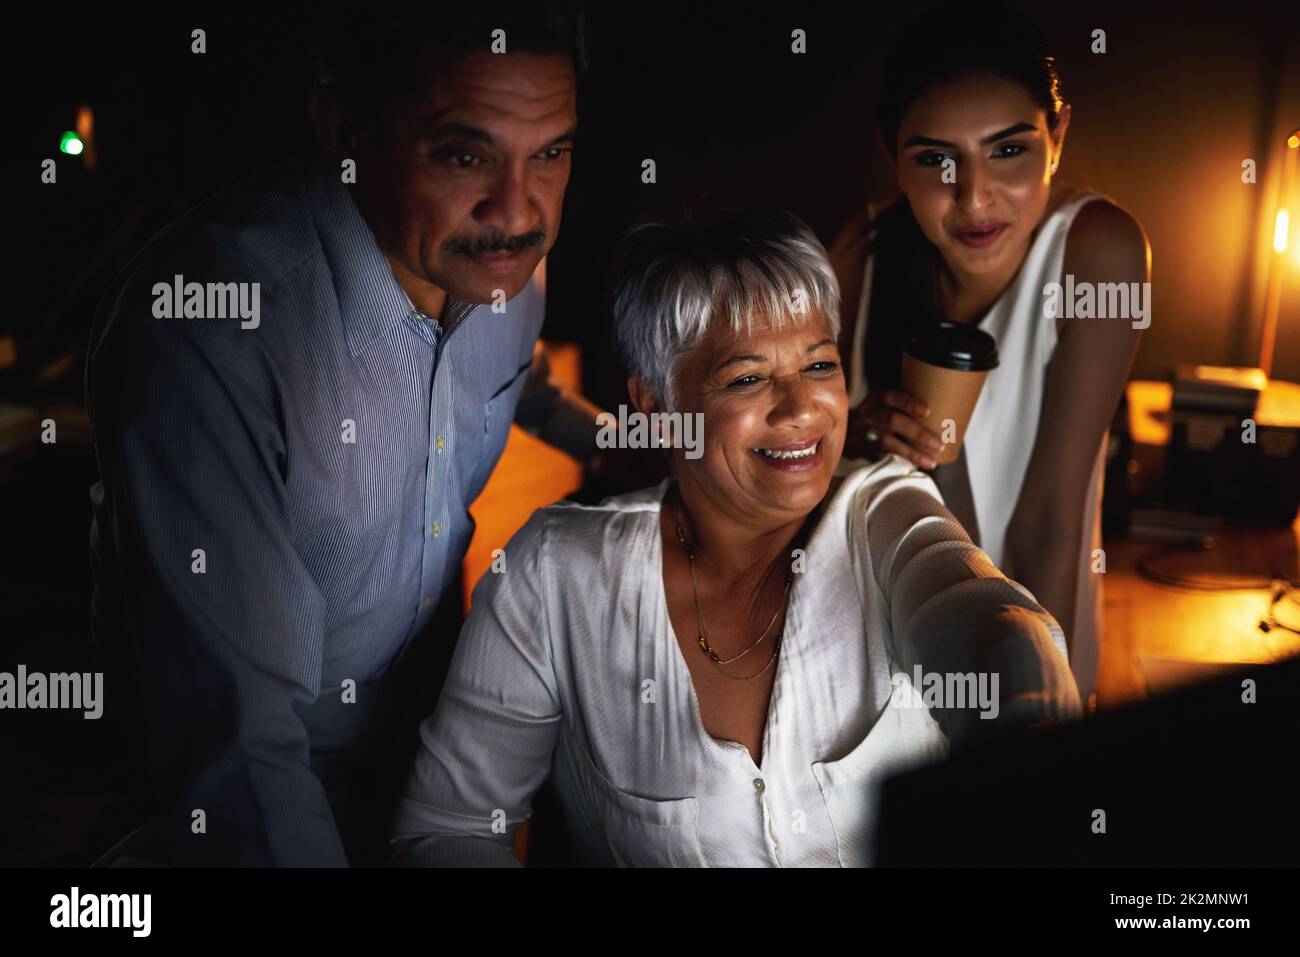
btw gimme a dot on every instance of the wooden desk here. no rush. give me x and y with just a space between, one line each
1159 636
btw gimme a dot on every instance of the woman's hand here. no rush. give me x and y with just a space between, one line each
888 420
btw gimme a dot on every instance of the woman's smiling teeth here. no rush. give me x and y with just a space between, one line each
798 454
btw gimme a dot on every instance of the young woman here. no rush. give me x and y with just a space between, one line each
973 119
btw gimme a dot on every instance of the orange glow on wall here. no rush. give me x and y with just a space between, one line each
1281 235
85 127
529 475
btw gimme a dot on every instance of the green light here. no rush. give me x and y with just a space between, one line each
71 144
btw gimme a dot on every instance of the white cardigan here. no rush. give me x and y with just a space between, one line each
568 666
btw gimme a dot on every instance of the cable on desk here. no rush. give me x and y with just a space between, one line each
1282 588
1145 568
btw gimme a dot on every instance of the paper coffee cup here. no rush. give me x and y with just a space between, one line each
945 365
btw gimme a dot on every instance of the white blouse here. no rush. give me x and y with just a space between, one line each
568 667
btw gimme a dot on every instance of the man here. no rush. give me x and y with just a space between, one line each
297 390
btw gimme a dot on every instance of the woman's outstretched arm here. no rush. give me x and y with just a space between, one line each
950 611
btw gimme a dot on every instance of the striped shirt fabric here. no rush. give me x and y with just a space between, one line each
282 500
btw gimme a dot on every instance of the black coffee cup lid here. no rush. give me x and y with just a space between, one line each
954 345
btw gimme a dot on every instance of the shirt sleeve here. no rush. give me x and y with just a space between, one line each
488 746
949 609
556 413
225 622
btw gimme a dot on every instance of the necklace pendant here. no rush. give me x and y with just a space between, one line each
704 647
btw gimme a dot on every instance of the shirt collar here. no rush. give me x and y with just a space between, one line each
371 301
454 312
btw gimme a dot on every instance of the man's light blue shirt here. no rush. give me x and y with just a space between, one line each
281 507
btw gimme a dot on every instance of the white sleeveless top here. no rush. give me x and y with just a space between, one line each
1000 437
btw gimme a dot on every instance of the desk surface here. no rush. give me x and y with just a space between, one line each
1157 635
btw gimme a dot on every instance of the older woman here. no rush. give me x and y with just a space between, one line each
720 669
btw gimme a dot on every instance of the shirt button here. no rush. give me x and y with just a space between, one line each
759 785
437 528
442 442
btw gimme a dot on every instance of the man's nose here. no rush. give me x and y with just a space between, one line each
507 205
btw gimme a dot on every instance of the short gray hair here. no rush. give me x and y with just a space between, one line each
670 283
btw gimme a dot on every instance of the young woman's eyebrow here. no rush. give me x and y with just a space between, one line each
1009 131
993 138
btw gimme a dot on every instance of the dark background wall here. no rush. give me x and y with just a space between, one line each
1162 122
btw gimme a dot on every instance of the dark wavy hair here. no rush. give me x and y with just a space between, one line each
955 40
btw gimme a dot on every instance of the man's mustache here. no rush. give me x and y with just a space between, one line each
495 242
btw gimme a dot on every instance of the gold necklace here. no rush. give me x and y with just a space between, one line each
699 612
